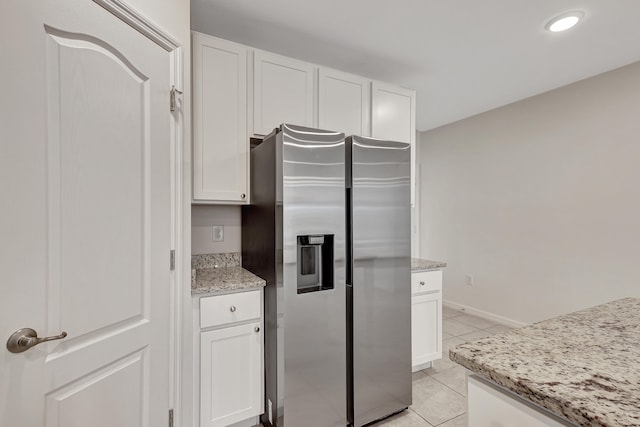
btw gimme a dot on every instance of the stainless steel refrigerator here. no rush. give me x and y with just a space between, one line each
328 228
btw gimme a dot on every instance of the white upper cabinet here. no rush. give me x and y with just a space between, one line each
344 102
393 113
239 91
283 92
220 134
393 117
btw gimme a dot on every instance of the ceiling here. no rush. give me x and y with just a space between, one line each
463 57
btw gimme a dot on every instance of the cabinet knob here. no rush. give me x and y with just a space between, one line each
242 196
232 309
257 329
421 283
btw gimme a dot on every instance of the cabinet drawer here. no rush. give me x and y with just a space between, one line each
426 281
221 309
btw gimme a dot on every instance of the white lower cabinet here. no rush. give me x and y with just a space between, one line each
490 406
230 374
426 318
231 367
426 344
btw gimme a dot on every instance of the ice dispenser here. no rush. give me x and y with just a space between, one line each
315 263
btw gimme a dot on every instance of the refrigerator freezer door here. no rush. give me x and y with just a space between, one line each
379 182
313 225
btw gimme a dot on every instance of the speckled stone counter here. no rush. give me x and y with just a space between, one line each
221 273
418 264
223 280
584 366
230 259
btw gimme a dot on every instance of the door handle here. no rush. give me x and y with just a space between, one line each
25 338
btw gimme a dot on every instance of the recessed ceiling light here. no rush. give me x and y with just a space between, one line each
564 22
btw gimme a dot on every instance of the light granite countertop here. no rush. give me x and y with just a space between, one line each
223 280
221 273
418 264
583 366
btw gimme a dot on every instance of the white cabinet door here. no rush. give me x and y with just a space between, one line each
283 92
230 374
393 113
344 102
85 171
393 117
220 135
489 406
426 328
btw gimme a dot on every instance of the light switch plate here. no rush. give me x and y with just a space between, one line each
218 233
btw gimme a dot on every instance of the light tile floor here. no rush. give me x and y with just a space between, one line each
440 392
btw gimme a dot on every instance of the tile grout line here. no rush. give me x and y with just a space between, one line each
455 391
451 419
421 417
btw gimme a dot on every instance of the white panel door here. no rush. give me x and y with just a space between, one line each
220 136
283 92
426 328
393 117
86 218
230 375
344 102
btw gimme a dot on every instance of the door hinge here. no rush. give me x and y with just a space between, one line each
170 417
172 259
172 98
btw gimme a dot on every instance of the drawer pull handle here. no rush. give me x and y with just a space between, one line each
232 309
257 329
421 283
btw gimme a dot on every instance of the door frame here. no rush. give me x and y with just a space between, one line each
179 190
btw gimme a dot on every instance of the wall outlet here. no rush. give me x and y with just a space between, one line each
218 233
469 279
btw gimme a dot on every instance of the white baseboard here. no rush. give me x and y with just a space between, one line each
484 314
417 368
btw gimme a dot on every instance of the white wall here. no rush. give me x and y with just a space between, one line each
538 200
203 218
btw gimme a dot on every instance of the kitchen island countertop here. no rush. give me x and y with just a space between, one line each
583 366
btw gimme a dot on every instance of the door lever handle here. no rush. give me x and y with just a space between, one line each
25 338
